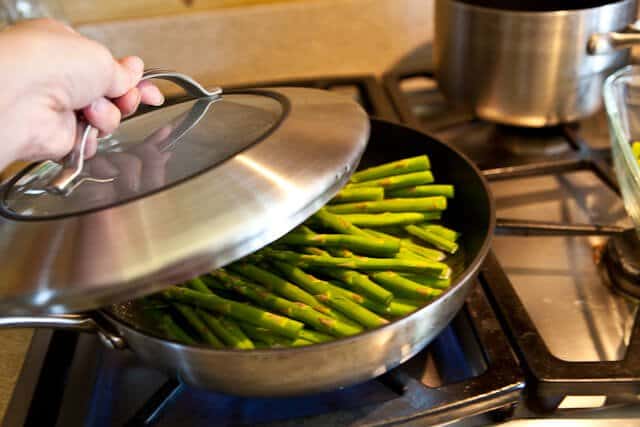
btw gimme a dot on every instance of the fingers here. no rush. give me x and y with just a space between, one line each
150 94
129 102
145 93
126 75
103 115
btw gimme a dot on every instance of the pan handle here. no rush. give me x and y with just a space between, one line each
73 322
606 43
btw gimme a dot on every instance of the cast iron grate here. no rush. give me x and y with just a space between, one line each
549 379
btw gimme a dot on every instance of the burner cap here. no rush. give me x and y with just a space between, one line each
622 259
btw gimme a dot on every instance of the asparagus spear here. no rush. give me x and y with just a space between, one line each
442 231
430 237
361 284
432 282
401 286
328 309
423 191
225 328
300 342
315 285
298 311
368 245
390 219
359 263
408 245
243 312
168 326
357 312
266 339
264 335
339 252
276 284
333 299
314 336
421 204
358 194
229 338
396 308
338 223
198 325
397 181
412 164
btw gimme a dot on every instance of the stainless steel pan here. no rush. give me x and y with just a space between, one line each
326 366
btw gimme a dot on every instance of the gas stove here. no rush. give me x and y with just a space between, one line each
543 338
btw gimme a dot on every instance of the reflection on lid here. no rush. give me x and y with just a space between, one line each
150 152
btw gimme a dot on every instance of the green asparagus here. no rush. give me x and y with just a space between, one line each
423 191
338 223
276 284
361 284
338 300
287 327
413 164
359 263
264 335
229 338
390 219
396 182
368 245
432 282
432 238
442 231
401 286
408 245
358 195
198 325
298 311
312 284
422 204
165 323
314 336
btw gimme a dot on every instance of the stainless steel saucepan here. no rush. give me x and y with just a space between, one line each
531 63
319 367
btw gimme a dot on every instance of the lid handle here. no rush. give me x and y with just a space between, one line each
73 163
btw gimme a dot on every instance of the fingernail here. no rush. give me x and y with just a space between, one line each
100 105
153 96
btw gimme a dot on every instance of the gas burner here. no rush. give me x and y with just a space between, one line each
622 260
529 142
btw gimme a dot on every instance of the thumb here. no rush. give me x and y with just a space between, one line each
126 75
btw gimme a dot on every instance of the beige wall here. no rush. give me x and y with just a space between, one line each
83 11
276 41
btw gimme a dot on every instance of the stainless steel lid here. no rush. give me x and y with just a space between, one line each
173 193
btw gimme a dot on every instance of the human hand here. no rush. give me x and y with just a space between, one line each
49 74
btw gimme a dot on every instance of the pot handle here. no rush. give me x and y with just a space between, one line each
73 322
606 43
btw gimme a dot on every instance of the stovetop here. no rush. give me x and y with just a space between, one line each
539 340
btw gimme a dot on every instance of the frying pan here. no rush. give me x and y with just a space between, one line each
326 366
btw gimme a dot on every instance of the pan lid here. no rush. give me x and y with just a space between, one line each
173 193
